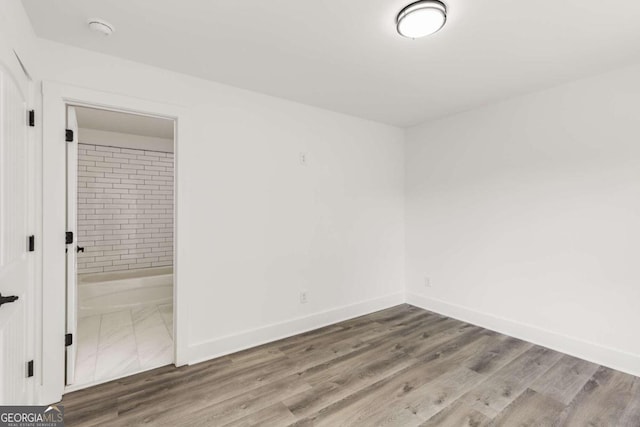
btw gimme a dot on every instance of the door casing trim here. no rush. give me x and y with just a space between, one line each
56 97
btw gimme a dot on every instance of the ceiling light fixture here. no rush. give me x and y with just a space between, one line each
100 26
421 18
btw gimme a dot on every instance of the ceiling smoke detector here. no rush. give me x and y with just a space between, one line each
421 18
100 26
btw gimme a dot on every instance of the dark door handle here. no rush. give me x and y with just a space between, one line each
79 249
7 300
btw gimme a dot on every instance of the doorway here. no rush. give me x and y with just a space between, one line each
120 245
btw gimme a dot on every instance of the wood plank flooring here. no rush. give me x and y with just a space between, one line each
399 367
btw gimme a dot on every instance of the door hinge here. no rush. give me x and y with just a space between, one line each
68 340
68 237
32 118
31 246
29 368
68 135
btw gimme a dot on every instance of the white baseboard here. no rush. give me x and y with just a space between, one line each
254 337
596 353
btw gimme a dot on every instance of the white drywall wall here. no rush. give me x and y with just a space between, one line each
261 226
528 212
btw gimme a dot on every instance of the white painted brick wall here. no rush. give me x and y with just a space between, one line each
125 208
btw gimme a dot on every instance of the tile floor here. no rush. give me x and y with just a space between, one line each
117 344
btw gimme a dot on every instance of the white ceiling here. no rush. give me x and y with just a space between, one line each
133 124
346 56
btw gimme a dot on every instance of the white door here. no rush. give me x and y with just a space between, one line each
72 290
14 265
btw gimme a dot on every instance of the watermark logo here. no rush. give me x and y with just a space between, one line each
32 416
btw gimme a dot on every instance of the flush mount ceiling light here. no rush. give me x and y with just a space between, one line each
421 18
100 26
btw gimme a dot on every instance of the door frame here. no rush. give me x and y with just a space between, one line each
56 97
71 201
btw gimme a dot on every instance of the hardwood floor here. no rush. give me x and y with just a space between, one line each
398 367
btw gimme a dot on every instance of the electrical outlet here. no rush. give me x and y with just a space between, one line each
427 282
304 157
303 297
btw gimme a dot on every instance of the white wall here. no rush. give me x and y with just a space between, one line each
16 35
525 215
255 227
